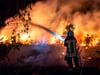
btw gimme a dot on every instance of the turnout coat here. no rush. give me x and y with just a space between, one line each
70 43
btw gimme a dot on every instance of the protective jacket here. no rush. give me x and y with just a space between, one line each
70 43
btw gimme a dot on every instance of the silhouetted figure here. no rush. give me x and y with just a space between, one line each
70 42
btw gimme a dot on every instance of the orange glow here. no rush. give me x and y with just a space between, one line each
53 40
46 14
82 44
95 42
3 39
24 37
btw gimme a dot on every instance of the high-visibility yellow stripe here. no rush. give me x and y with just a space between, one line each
69 47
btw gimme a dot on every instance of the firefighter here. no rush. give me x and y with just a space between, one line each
72 50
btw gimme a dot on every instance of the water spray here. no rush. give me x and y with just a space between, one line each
48 30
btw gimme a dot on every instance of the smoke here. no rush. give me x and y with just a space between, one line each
42 46
36 55
83 13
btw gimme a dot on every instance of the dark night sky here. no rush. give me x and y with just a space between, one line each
9 8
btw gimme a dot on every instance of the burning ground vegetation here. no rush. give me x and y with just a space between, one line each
33 38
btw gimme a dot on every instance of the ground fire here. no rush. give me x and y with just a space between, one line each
18 33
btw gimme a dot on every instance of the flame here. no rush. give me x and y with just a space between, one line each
54 15
24 37
53 40
3 39
82 44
